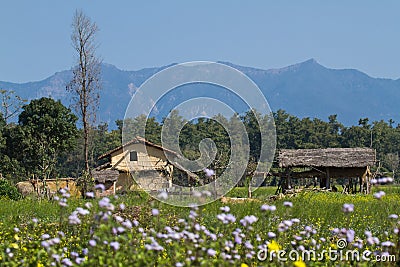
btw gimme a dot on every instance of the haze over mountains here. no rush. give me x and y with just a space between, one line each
306 89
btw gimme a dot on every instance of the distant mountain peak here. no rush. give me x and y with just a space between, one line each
305 89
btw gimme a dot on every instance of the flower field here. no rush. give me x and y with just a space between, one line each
311 229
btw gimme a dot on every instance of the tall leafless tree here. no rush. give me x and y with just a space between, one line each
11 104
85 84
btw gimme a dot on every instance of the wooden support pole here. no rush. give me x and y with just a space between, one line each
328 179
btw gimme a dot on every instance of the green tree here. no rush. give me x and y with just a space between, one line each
47 129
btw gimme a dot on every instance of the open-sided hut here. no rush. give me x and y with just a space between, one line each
324 164
145 160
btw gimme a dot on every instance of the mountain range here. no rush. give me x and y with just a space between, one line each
306 89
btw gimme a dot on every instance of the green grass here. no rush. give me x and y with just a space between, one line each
322 211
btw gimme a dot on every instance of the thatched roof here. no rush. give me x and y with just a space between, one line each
105 176
329 157
137 140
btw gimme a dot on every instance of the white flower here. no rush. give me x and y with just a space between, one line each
163 195
209 172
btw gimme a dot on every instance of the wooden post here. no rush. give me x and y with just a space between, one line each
286 184
249 189
328 179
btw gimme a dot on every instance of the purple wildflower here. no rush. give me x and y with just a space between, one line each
266 207
238 239
90 194
248 245
211 252
66 262
79 260
155 212
104 202
63 202
226 218
127 224
92 242
248 220
100 186
225 209
271 235
82 211
74 219
387 244
379 195
350 235
45 236
74 254
347 208
115 245
288 204
55 240
45 244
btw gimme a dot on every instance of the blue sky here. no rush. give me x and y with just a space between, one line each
364 35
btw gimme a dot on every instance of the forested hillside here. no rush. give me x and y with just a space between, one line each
46 142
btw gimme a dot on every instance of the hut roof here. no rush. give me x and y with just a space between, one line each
328 157
137 140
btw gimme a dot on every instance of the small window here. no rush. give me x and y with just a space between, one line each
133 156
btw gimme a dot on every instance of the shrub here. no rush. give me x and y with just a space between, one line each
8 190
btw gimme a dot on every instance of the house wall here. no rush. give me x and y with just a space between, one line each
152 159
124 182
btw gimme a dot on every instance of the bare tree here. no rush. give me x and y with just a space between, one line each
11 104
85 84
392 161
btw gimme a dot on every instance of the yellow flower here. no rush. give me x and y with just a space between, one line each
244 265
14 245
273 246
299 263
39 264
16 237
